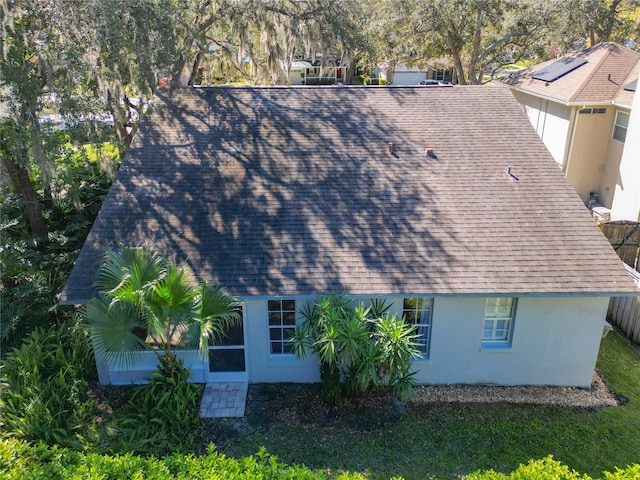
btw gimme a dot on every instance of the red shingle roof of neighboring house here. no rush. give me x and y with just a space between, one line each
609 68
293 191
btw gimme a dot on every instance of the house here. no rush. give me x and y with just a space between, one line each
306 72
365 195
580 105
403 74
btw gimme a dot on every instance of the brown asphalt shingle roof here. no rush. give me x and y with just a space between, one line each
292 191
601 80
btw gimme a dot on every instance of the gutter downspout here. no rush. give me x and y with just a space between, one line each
569 147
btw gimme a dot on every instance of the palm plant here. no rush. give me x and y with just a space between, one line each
146 302
358 347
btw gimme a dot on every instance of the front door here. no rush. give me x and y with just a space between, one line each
227 357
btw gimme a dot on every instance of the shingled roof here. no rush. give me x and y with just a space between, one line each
292 191
609 67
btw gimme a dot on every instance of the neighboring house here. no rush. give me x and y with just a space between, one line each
402 74
285 194
580 105
305 72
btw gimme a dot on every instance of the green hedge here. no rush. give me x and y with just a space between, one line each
19 460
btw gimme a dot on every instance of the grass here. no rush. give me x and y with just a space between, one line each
445 441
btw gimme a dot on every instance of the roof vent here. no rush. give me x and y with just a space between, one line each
428 153
390 147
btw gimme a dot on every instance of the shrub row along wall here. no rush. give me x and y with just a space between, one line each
18 460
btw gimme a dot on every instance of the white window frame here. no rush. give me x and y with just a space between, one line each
499 320
420 315
618 127
281 322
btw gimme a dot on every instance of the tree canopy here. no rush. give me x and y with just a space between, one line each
88 58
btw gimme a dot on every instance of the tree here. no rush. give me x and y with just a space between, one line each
598 21
146 302
79 59
476 35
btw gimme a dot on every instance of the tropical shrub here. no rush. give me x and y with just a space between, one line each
359 347
163 416
45 396
146 302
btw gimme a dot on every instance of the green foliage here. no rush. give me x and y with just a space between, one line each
545 469
19 460
163 416
145 301
358 347
44 390
33 272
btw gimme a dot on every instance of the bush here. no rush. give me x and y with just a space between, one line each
44 391
164 416
19 460
358 347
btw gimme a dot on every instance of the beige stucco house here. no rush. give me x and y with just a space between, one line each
581 107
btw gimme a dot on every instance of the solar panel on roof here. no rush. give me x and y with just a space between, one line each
559 68
631 86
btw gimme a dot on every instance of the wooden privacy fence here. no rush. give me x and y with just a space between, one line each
624 312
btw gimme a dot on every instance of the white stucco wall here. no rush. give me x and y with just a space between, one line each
551 121
555 342
138 373
626 200
261 365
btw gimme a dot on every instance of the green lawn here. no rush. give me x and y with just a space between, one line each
449 441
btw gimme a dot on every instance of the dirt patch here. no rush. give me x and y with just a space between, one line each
301 405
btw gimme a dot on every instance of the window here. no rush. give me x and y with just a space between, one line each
499 313
417 311
282 324
620 128
593 111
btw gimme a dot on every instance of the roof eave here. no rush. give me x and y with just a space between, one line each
570 103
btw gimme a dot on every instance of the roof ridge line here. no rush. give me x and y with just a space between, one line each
588 78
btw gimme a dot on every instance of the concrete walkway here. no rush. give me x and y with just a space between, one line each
224 400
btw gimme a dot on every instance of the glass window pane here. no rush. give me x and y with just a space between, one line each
289 318
275 318
409 303
288 333
622 119
274 305
410 316
289 305
276 347
620 133
275 334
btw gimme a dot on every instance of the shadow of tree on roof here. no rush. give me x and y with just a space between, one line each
273 191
